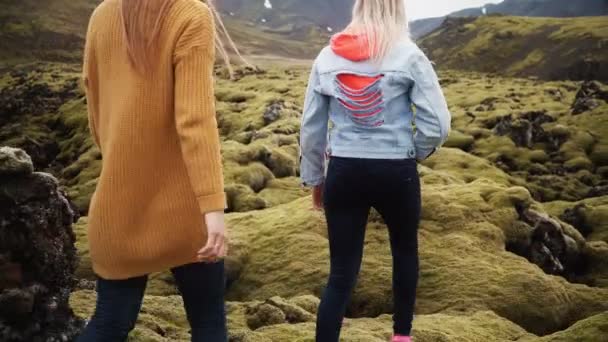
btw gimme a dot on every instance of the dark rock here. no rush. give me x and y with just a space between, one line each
527 129
556 94
471 115
43 151
273 112
489 103
38 260
247 71
505 163
550 248
598 191
576 217
588 96
584 105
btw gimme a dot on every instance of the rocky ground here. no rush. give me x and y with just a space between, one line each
514 238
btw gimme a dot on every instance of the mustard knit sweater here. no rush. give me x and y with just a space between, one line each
158 137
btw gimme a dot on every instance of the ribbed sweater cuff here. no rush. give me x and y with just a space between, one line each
211 203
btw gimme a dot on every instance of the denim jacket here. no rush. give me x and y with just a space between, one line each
401 113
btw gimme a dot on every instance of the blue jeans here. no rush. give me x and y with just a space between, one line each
352 188
119 303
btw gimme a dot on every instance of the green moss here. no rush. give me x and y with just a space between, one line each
282 161
234 97
596 254
463 224
81 178
460 140
579 163
599 156
539 156
592 329
533 58
242 198
85 269
284 190
254 175
164 315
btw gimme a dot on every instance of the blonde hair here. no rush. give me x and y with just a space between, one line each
142 21
381 22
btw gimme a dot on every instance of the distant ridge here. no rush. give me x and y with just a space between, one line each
525 8
548 48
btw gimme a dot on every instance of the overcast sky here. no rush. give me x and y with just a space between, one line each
418 9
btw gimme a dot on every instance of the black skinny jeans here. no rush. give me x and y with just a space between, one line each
352 187
119 303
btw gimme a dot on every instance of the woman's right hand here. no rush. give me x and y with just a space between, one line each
217 238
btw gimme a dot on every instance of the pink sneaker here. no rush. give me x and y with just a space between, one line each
400 338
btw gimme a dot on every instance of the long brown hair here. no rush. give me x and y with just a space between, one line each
142 21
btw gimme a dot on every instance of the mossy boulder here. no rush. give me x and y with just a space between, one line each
283 190
14 162
241 198
464 222
163 319
282 161
592 329
599 155
460 140
589 216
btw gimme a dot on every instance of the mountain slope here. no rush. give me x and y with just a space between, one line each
526 8
334 14
542 8
56 31
550 48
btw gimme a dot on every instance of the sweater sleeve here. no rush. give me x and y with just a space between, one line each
195 110
89 82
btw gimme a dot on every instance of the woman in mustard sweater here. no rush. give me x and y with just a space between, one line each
159 203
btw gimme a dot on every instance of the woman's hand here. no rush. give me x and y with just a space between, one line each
317 197
217 239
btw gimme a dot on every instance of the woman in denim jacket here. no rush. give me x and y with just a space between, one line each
375 107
